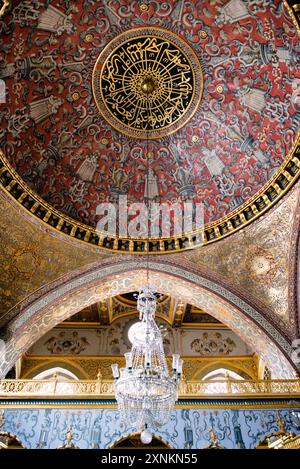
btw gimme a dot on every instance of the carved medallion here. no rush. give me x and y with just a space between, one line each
147 83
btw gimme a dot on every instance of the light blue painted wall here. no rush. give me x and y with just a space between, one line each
188 428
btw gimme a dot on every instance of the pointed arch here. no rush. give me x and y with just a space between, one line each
53 306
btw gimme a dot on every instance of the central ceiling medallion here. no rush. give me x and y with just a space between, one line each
147 83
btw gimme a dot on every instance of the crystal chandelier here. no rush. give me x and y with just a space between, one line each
145 392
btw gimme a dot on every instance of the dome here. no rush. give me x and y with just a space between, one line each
206 95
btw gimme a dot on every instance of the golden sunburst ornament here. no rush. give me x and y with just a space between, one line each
147 82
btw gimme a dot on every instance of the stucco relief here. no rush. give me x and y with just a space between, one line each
113 340
213 343
66 342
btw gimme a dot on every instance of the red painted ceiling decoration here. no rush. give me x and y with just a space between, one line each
53 134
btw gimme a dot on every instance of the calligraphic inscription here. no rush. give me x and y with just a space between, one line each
147 82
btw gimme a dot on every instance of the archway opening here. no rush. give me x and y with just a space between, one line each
53 307
58 373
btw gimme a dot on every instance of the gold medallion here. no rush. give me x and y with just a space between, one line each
147 83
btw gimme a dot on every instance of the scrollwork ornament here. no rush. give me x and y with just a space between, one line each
147 83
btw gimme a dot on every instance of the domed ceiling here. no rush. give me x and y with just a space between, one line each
209 90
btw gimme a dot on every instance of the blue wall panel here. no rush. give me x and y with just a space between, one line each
187 428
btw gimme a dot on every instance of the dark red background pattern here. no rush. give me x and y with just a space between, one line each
223 156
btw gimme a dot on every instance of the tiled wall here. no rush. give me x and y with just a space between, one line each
187 428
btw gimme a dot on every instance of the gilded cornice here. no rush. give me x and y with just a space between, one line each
284 178
211 403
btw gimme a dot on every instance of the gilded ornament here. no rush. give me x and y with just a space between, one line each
261 264
147 83
143 7
150 155
75 96
245 211
89 37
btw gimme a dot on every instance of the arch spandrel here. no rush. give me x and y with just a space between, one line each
54 307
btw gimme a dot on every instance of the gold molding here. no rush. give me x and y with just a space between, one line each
87 366
82 324
184 325
294 12
284 178
203 325
188 405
